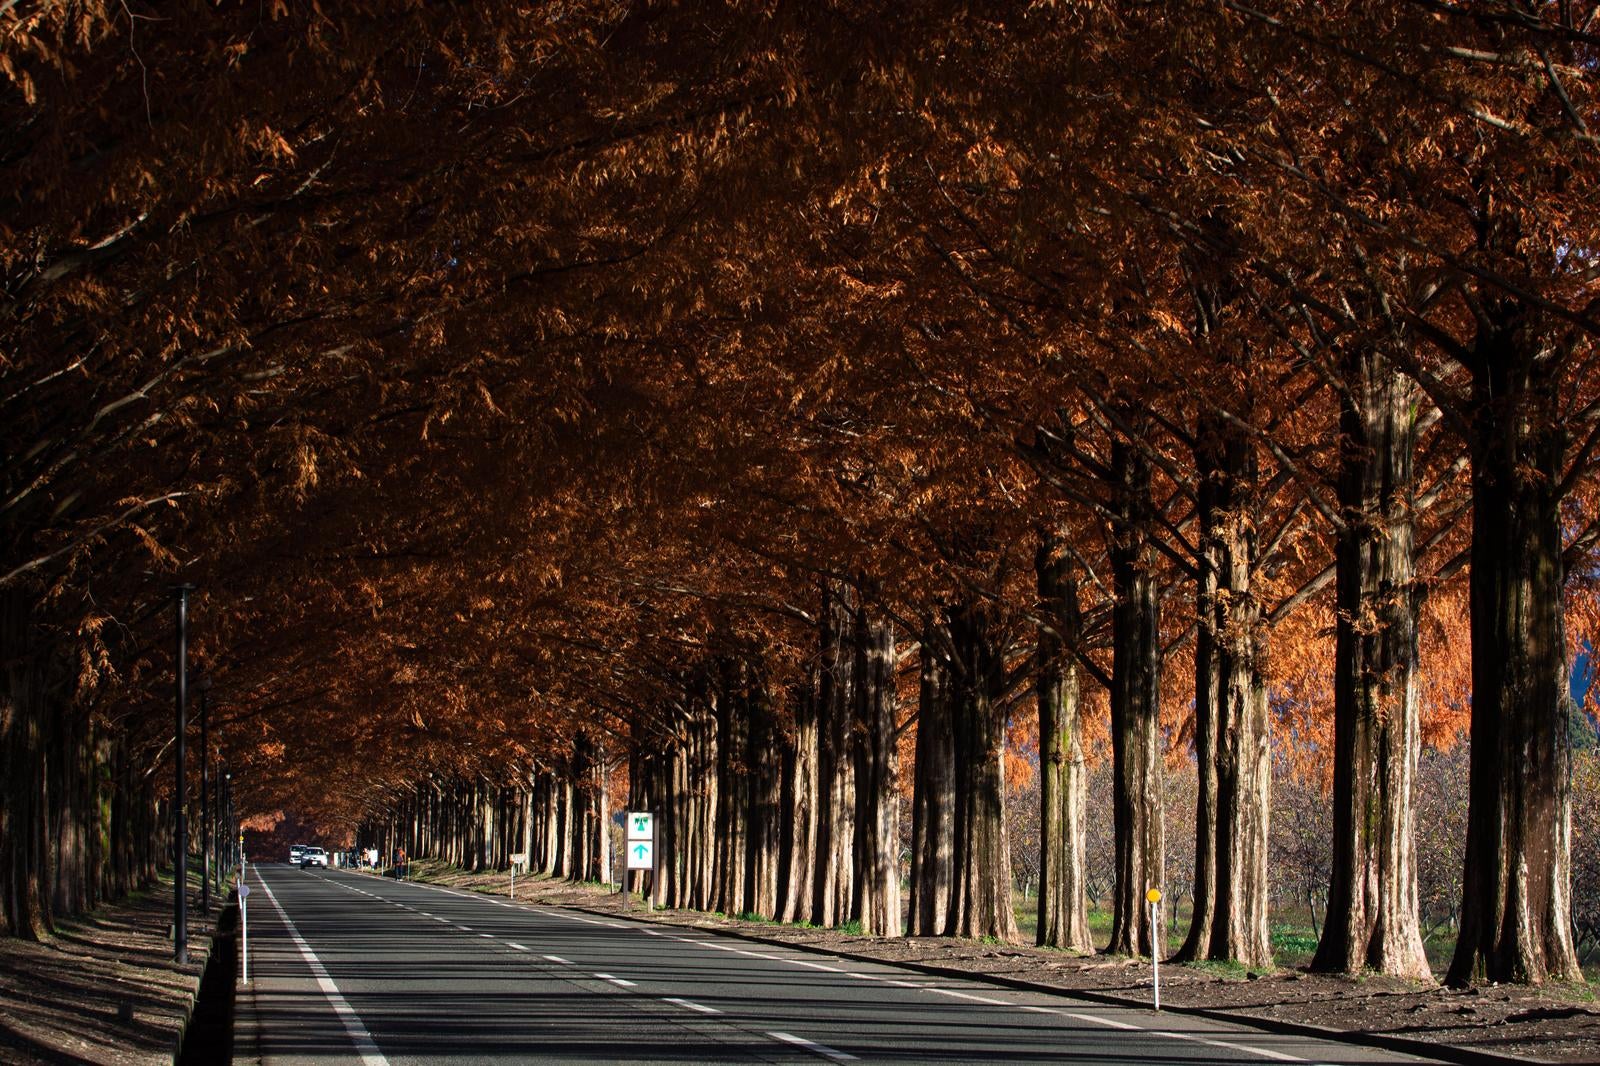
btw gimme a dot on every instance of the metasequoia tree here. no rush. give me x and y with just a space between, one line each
585 388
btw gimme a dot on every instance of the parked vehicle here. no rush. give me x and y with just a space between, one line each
313 857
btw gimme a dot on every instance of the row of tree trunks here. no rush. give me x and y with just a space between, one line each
80 822
559 824
794 814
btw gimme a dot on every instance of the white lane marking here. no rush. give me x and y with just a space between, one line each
813 1046
1088 1018
465 928
701 1007
365 1047
516 945
815 965
969 995
616 980
1196 1039
487 936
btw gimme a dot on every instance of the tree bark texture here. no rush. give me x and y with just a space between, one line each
1135 708
933 795
833 895
877 783
1372 920
80 823
1063 905
1516 894
981 905
800 802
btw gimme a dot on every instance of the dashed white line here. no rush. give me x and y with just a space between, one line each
701 1007
810 1045
813 1046
969 995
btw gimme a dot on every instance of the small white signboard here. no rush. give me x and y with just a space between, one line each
641 825
641 855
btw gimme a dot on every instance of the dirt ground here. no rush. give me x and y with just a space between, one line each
104 989
1552 1024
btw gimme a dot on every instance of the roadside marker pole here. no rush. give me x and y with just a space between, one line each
244 926
1154 896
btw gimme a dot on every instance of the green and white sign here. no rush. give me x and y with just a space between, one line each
641 845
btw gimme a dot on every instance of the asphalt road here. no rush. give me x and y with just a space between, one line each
346 967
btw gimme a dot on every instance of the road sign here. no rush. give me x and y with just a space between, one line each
641 825
641 855
1154 895
244 890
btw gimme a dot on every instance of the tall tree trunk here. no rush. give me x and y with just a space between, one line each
877 788
765 792
982 870
801 802
1207 701
1063 908
1135 708
933 797
1516 889
733 791
833 894
1239 929
706 798
1372 919
22 746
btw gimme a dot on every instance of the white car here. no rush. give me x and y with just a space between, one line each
296 852
313 857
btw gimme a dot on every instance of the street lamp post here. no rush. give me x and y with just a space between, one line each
180 877
204 685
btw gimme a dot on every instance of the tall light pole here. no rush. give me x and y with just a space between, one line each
204 685
180 877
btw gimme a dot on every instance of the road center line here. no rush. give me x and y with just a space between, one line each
365 1047
813 1046
701 1007
820 1049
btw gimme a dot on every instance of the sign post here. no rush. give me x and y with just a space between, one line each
244 927
1154 896
641 846
516 860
